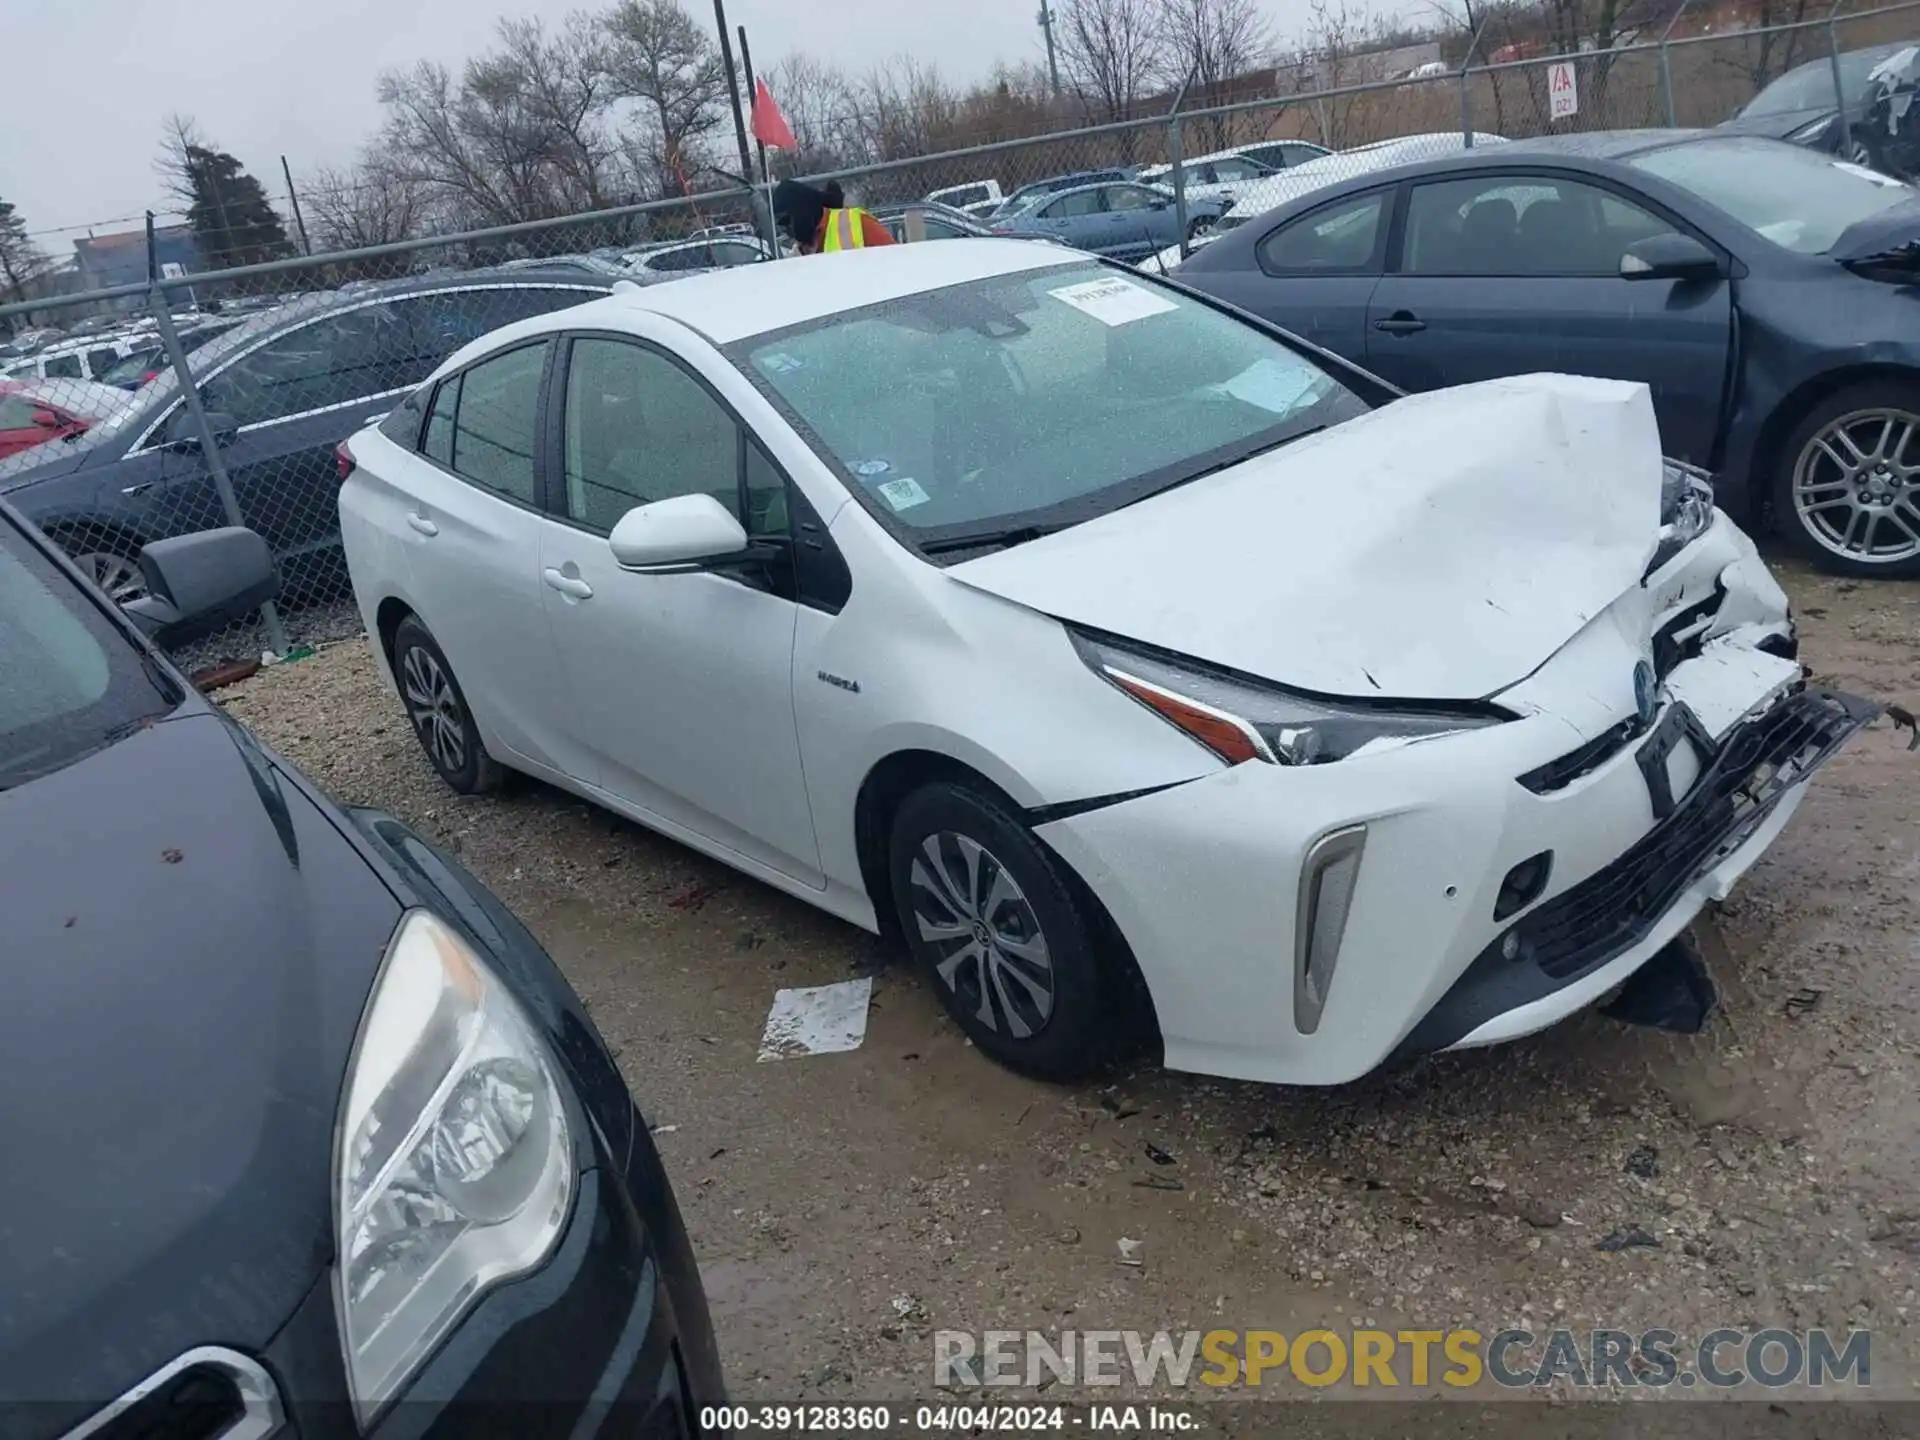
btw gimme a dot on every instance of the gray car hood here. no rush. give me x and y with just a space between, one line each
1440 548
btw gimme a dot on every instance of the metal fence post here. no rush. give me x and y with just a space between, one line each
1178 168
209 446
1666 67
1466 94
1839 85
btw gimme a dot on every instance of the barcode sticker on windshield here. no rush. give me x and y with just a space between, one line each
903 494
1113 302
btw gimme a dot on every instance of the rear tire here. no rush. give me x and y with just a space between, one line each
109 559
991 916
1846 488
437 709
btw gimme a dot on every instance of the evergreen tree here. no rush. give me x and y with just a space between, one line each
231 219
20 259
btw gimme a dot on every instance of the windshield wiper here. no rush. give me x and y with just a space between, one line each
987 539
1237 458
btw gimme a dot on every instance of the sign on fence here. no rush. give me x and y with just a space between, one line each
1563 90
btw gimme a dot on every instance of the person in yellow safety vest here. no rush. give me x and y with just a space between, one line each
819 225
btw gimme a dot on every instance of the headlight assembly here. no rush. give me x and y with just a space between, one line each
1240 719
453 1168
1686 510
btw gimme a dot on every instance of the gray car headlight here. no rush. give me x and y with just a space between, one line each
453 1166
1240 718
1686 510
1811 131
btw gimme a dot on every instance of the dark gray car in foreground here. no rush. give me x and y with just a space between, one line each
1768 295
305 1134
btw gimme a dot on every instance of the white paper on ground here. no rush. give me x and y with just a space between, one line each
819 1020
1113 302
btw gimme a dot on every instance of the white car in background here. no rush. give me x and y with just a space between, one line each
1277 190
976 197
1225 174
720 251
1123 656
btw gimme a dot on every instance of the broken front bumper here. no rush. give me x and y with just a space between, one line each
1602 928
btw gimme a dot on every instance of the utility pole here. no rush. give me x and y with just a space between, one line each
1045 20
733 90
293 199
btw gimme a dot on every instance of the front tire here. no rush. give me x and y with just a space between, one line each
1847 487
437 709
991 916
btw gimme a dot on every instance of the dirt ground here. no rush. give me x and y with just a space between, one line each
846 1206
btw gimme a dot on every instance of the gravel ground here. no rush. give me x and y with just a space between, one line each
846 1206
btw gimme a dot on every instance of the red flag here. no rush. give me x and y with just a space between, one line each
769 125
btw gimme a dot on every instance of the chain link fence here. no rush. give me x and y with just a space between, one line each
200 400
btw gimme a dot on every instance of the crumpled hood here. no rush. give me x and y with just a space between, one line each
1440 548
1892 229
189 943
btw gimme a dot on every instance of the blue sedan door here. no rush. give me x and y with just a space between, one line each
1510 274
1076 217
1316 273
1139 221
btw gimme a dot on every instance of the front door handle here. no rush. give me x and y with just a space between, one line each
422 524
139 489
1401 322
571 586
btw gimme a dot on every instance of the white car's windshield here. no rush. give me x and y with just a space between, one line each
1799 199
1035 399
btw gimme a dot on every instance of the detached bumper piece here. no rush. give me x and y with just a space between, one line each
1607 914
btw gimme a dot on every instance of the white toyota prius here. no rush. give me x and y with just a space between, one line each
1152 673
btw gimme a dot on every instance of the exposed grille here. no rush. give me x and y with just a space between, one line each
1603 915
206 1394
1559 773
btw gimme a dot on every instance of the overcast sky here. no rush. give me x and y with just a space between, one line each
90 81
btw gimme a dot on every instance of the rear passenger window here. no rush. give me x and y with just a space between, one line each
1337 239
99 362
61 367
493 428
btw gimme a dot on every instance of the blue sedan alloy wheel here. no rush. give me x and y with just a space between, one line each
1853 496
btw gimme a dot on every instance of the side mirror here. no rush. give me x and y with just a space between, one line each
1672 256
183 434
1158 204
47 420
686 532
200 583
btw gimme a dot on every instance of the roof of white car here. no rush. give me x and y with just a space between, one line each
729 305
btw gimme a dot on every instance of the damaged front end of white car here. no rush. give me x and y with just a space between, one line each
1501 703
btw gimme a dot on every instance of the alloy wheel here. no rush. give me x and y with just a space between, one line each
435 709
972 915
118 576
1856 486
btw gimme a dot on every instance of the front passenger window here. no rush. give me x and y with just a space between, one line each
640 429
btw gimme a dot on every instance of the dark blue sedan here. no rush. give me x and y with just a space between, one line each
281 391
1768 295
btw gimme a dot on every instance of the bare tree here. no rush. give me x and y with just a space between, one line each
661 59
374 203
817 99
1111 52
21 261
1210 42
179 134
559 83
